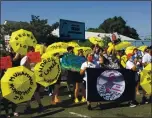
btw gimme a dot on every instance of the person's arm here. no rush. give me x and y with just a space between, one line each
17 56
144 61
83 69
132 66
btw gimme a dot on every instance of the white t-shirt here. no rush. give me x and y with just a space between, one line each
129 65
87 65
147 58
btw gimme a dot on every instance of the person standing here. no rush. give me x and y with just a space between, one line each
88 64
131 66
78 80
6 103
56 86
70 75
26 63
147 58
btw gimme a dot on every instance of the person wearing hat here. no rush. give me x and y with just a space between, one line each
131 66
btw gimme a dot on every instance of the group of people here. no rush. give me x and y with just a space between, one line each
98 58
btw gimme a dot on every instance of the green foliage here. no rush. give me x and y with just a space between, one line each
39 27
106 40
96 30
116 24
85 43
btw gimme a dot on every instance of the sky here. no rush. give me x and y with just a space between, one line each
93 13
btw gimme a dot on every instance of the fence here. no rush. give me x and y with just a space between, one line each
141 42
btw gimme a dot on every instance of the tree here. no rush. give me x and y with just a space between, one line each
116 24
96 30
39 27
41 30
106 40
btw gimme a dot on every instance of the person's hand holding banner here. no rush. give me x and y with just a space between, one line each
5 62
34 57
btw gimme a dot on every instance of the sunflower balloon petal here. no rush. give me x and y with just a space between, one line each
96 40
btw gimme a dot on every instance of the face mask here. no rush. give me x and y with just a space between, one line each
90 58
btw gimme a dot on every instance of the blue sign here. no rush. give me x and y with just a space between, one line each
71 30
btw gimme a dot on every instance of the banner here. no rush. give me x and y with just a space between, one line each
34 57
110 85
72 30
71 61
5 62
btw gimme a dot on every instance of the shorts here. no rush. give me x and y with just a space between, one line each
84 83
69 78
75 77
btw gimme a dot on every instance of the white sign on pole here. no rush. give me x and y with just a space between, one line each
72 30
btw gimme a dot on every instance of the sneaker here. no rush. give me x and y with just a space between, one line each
53 102
83 99
70 95
50 94
76 100
57 100
89 107
144 100
16 114
132 104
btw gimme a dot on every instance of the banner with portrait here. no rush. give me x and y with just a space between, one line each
110 85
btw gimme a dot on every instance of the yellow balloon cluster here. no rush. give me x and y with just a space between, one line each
73 44
146 78
21 39
86 50
47 71
96 40
40 48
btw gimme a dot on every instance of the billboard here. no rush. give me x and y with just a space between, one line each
71 30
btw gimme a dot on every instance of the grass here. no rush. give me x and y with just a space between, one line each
66 106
